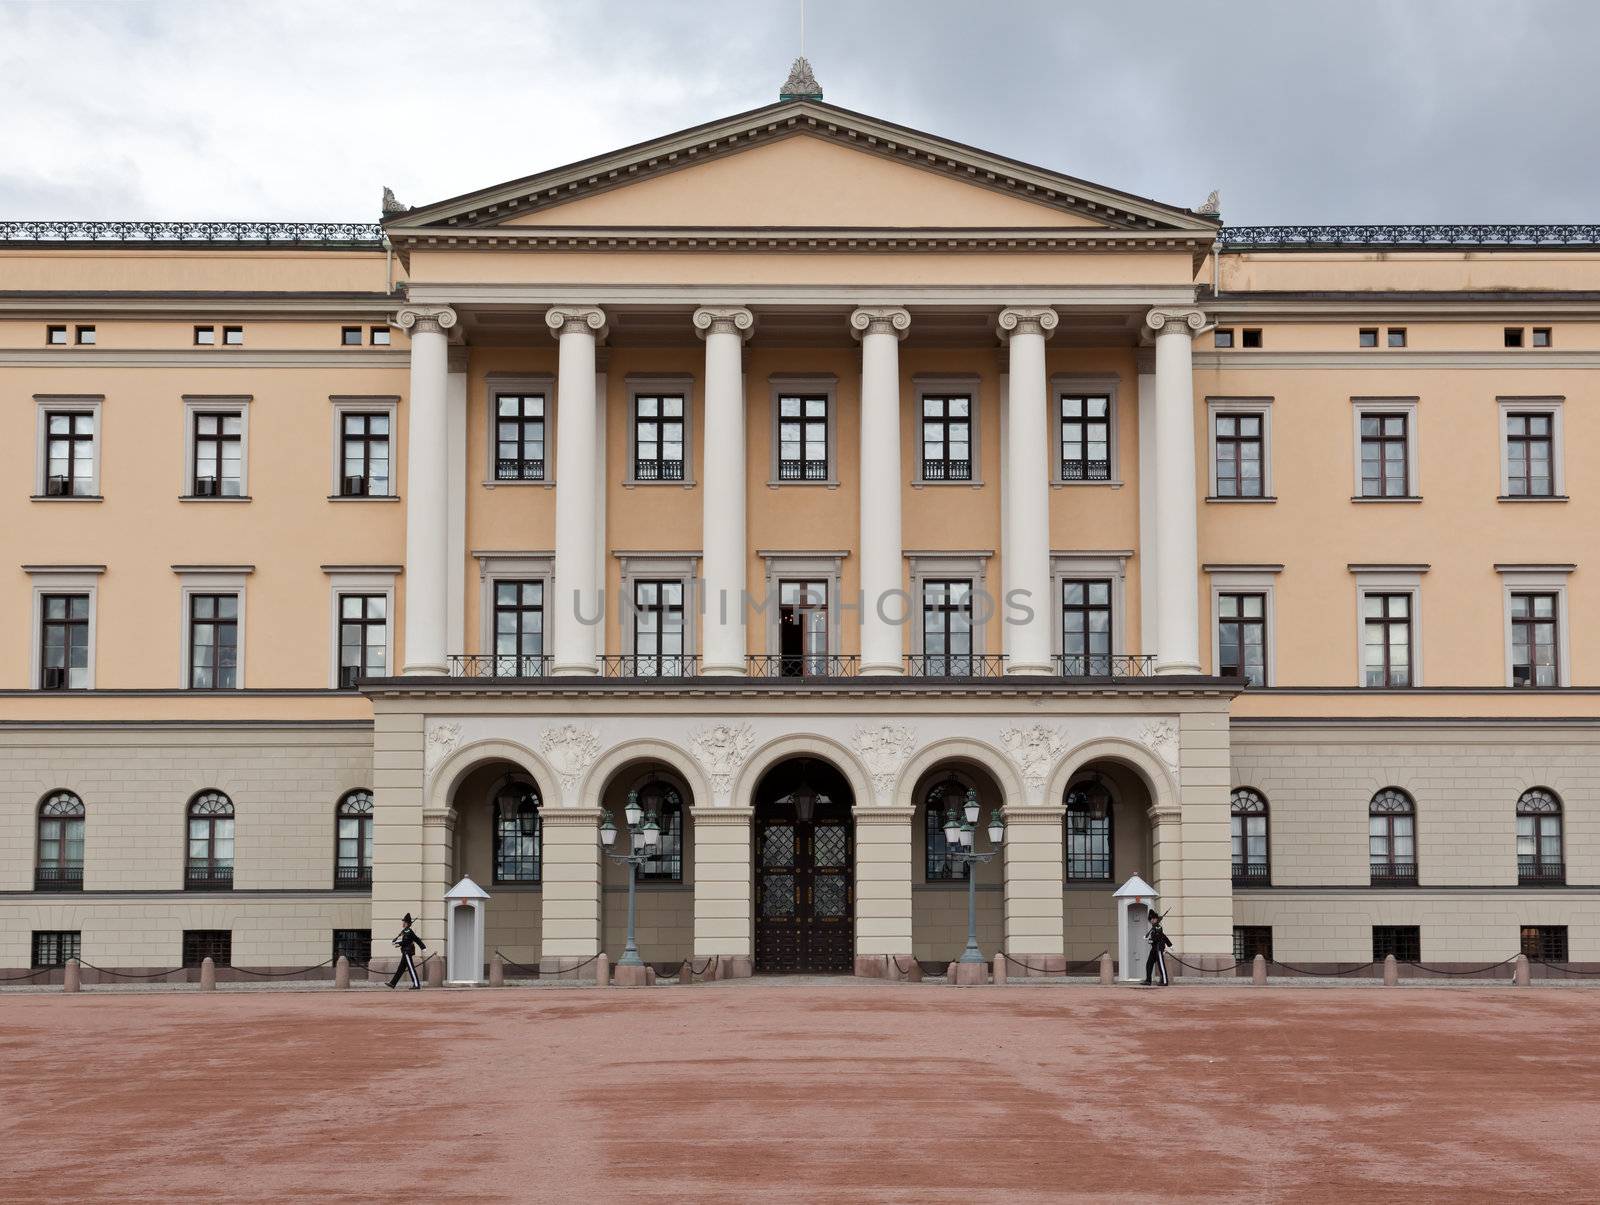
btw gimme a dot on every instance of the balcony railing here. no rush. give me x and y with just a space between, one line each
1252 874
956 665
496 665
1105 665
947 470
1394 874
1086 470
658 470
802 470
208 878
1541 871
810 665
352 878
519 470
650 665
68 877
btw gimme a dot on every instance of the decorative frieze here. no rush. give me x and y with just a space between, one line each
1161 737
571 750
1035 751
440 742
884 750
721 750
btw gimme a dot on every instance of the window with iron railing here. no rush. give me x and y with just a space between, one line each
803 438
1544 943
518 835
1392 838
946 437
352 870
1085 437
1403 941
209 865
200 944
1086 635
946 628
658 437
1088 832
59 866
1540 858
519 435
1248 818
56 947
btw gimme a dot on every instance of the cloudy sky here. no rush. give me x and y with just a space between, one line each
1298 110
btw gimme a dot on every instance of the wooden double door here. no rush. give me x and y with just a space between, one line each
805 892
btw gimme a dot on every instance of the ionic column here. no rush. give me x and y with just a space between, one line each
570 889
427 489
438 860
724 894
1034 912
1177 507
880 330
1026 611
579 608
722 527
883 890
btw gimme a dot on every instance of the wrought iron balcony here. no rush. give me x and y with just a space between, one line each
802 470
497 665
649 665
809 665
519 470
956 665
208 878
658 470
947 470
1541 871
61 877
1086 470
1105 665
352 878
1252 874
1394 874
920 666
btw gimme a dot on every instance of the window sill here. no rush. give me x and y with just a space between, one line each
1533 498
1241 497
530 887
831 484
1087 884
549 485
1062 485
214 498
973 484
363 497
66 498
61 690
629 483
1394 498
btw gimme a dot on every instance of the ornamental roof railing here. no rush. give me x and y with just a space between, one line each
1445 235
260 234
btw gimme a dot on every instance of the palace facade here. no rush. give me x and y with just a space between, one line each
799 473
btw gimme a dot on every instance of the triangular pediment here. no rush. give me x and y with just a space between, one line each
800 165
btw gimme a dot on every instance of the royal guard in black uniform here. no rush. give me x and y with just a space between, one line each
409 943
1159 942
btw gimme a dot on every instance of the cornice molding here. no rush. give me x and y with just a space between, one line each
1385 360
204 357
997 295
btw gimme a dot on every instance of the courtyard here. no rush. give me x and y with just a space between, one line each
813 1091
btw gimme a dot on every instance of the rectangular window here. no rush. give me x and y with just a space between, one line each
69 454
55 336
233 336
1086 627
1397 336
1403 941
947 628
1387 639
205 336
803 437
1085 437
938 866
364 455
1240 445
85 335
1514 336
63 641
378 336
215 944
519 629
350 336
658 629
1530 454
666 866
1088 844
946 437
658 437
353 944
1540 943
1250 337
1385 455
1535 648
1369 336
213 641
363 637
519 437
802 628
218 454
54 947
1250 940
1222 337
1542 336
1242 637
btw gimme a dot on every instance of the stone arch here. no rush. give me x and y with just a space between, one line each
615 761
960 748
1157 777
807 744
451 772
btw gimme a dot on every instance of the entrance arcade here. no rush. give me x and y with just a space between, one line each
804 870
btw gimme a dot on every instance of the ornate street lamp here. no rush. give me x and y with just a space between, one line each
644 839
959 830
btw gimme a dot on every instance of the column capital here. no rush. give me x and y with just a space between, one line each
1027 320
880 320
724 320
1178 320
425 319
576 320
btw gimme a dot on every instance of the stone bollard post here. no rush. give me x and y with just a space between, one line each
1522 971
497 973
1000 970
341 973
208 975
1391 971
72 977
1258 971
436 972
602 971
1106 979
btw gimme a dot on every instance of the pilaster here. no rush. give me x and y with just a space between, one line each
571 886
1034 911
1206 776
883 884
397 829
723 889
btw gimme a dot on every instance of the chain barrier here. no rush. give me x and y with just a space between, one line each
285 974
1440 971
1206 970
1361 966
1564 968
30 975
902 970
131 975
1066 969
536 972
714 960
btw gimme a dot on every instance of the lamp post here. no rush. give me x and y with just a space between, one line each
959 832
644 838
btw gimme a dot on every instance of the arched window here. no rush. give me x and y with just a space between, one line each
1539 853
660 799
1088 831
518 839
210 864
1252 865
1392 837
938 866
352 867
60 864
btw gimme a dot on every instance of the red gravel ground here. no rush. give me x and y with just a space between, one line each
738 1092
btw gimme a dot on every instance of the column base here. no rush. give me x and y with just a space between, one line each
1024 669
881 669
631 976
425 670
723 670
969 974
574 669
1177 667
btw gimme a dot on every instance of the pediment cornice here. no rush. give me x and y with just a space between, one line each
1109 209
